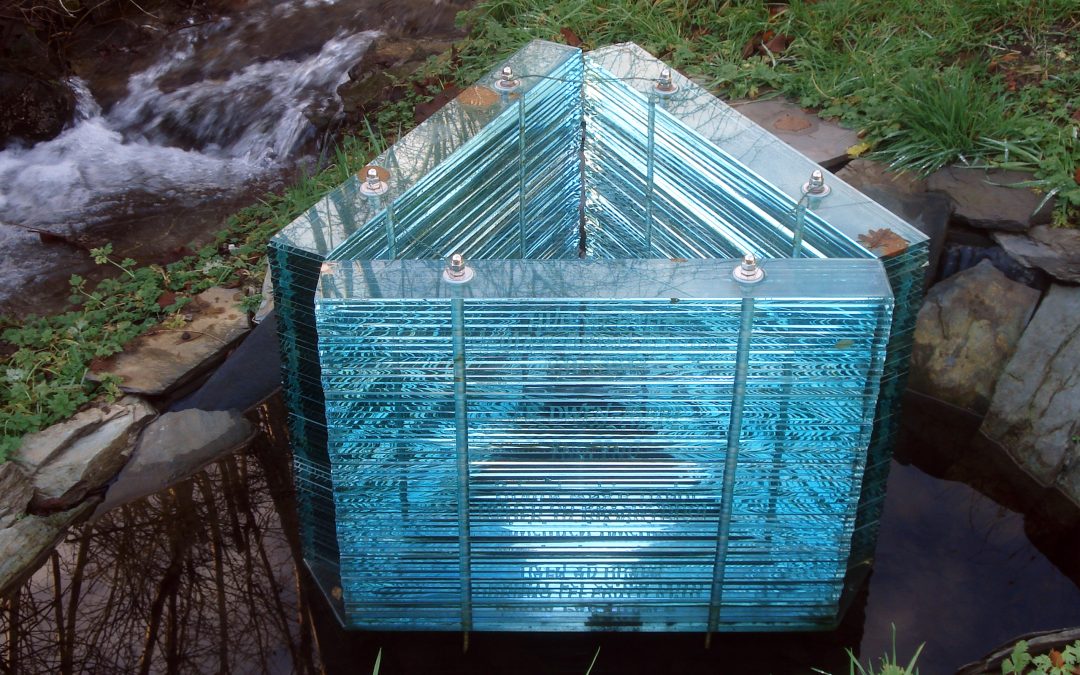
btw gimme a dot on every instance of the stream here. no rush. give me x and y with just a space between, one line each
207 577
208 117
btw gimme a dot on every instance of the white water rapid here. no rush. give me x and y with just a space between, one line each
213 116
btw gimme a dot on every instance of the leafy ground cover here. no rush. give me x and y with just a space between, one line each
927 83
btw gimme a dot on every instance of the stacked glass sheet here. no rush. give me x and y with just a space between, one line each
559 158
845 211
447 186
576 477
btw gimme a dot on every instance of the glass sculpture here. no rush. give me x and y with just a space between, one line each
591 424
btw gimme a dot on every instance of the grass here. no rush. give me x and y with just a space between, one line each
975 82
927 83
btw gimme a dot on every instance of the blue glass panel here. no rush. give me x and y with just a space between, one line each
715 427
597 403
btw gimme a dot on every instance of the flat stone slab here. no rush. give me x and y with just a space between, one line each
1054 250
1035 411
984 199
27 542
822 141
16 491
158 362
863 173
76 456
250 374
173 447
966 331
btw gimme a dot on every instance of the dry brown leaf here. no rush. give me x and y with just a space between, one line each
884 241
788 122
478 96
570 37
778 44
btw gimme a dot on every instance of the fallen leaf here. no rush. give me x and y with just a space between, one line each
478 96
1076 115
756 42
1076 175
751 46
778 44
165 299
570 37
883 240
678 260
788 122
1057 659
858 150
382 173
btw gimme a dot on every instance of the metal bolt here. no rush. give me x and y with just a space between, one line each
457 272
816 186
664 83
372 184
507 82
748 271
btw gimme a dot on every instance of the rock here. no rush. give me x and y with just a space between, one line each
959 257
381 74
173 447
983 198
1035 412
864 173
33 110
250 374
70 459
37 102
28 541
162 360
966 331
1051 249
824 142
1038 643
267 304
15 493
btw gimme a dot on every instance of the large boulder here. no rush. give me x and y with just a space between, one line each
989 199
37 103
163 360
70 459
1054 250
1035 412
966 331
173 447
27 542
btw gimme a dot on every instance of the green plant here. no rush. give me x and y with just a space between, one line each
952 117
1064 662
889 663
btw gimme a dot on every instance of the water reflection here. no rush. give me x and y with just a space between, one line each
199 578
203 578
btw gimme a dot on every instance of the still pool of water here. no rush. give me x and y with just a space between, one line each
204 577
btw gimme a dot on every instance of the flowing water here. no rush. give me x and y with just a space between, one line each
222 110
206 577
